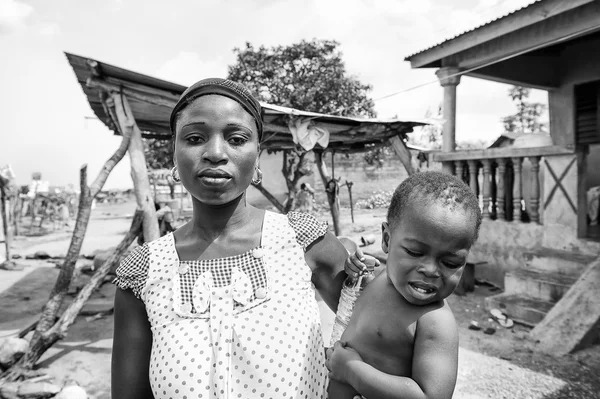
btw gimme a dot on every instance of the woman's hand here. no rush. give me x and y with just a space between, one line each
358 263
338 360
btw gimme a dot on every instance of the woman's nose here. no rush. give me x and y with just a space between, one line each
214 150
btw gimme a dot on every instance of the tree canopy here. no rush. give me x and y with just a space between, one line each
310 75
527 117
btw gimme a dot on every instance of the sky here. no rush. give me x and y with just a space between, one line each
48 126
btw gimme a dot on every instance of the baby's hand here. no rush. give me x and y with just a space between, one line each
358 262
338 359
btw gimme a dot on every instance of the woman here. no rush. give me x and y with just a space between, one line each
224 307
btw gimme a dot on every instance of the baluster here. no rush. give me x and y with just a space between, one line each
534 201
517 189
459 169
487 187
473 176
493 195
500 193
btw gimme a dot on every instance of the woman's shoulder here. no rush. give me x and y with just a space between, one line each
306 227
132 273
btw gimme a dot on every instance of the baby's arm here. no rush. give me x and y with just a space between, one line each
434 366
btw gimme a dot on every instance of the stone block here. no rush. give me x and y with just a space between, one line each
555 261
538 284
520 308
11 349
572 323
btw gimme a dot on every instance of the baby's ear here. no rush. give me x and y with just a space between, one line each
385 237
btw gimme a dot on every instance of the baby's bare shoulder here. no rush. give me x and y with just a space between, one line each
438 320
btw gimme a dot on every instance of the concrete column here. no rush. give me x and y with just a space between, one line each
449 83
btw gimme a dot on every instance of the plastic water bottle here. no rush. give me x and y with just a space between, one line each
351 290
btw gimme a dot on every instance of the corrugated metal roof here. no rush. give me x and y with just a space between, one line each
151 101
474 29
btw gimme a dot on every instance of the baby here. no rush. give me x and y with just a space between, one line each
402 339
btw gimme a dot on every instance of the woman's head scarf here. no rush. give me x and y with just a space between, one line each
222 87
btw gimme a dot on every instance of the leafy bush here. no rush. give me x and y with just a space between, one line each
379 199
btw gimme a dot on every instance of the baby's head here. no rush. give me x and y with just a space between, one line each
433 220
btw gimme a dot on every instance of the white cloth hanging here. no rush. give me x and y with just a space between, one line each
307 133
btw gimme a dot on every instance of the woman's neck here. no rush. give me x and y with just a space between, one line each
210 221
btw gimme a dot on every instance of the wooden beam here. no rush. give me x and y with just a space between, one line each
403 154
506 152
332 195
534 14
139 172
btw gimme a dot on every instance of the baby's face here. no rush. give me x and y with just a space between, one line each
427 250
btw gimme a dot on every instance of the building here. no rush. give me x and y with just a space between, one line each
538 251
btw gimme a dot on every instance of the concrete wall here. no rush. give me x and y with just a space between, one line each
366 178
503 246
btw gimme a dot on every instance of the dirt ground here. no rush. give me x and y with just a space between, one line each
502 365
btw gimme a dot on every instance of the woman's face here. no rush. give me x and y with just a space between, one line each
216 149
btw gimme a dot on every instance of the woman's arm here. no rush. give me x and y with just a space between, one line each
132 344
326 257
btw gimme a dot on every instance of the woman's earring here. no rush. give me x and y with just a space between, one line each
256 181
175 174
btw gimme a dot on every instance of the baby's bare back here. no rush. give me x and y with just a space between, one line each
382 331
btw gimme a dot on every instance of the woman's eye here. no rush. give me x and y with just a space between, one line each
238 140
412 253
193 139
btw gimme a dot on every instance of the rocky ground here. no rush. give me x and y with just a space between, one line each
504 364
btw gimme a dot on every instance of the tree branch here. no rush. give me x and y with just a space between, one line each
270 197
110 164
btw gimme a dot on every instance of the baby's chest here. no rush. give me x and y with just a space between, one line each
383 332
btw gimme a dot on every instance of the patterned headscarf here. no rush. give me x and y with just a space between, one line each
222 87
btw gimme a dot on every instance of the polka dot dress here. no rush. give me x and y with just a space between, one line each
245 326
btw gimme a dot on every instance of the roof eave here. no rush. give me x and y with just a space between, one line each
521 18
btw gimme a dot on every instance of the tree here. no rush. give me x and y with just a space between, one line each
159 153
527 118
309 75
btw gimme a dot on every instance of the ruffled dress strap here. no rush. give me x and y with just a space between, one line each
307 228
132 273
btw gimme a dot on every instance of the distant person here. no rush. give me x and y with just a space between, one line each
305 199
402 339
225 306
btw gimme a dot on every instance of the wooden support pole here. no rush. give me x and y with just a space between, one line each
517 189
5 228
500 188
139 172
331 188
403 153
534 201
